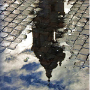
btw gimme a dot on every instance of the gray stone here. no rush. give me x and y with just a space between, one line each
16 11
13 45
79 42
5 43
86 45
85 32
26 12
10 8
6 12
17 40
86 64
15 33
21 8
3 34
7 29
84 51
81 57
10 38
12 25
77 47
17 21
20 27
21 16
8 19
12 15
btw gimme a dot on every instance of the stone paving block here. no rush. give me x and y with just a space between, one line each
26 4
7 29
16 12
82 37
75 18
31 1
24 23
22 36
86 45
73 23
13 45
78 15
72 12
80 11
15 32
86 64
20 27
12 25
21 16
84 5
72 37
6 12
79 42
84 51
83 20
70 43
80 24
8 19
85 32
30 8
12 15
10 38
5 43
77 28
86 27
17 20
77 47
74 8
3 34
81 57
21 8
71 27
14 5
28 19
75 51
77 5
87 41
18 1
25 12
85 15
79 63
82 8
10 9
86 2
75 33
10 1
17 40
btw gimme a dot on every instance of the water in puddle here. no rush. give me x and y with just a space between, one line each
41 60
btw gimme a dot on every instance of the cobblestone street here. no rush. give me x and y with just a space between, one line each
24 47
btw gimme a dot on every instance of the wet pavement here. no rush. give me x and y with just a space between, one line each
44 45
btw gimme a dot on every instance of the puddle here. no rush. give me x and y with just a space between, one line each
41 61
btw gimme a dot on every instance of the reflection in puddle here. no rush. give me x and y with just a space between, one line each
44 30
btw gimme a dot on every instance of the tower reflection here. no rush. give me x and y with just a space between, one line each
46 23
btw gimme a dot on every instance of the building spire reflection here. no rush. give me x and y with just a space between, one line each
46 23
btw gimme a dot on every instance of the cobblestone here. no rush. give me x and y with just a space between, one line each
84 51
77 47
79 21
86 45
79 42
